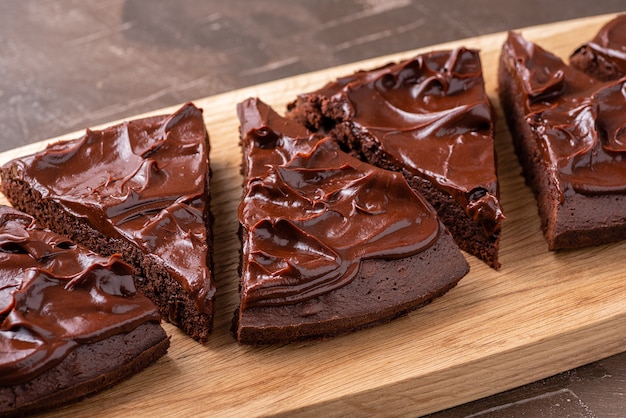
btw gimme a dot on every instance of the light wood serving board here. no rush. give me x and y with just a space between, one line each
542 313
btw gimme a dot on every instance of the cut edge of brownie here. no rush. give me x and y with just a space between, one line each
173 302
587 61
78 376
602 57
528 155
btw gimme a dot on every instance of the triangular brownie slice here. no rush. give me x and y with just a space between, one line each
140 189
71 321
430 119
330 244
568 132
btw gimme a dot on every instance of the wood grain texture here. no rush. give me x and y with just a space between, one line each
542 313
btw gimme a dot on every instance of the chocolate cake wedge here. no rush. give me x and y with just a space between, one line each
569 133
71 321
330 244
139 189
430 119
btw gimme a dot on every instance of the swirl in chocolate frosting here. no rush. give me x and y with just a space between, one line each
578 120
142 180
55 296
432 116
311 213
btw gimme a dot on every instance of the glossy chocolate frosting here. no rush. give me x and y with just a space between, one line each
311 213
432 116
605 55
55 295
142 180
579 121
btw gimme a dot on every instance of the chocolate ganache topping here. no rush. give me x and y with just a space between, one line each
311 213
578 120
142 180
605 56
55 295
431 115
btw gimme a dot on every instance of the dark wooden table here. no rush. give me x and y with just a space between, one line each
69 64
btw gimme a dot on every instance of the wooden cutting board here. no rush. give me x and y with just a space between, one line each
542 313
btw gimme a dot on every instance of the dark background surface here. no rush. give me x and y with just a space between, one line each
69 64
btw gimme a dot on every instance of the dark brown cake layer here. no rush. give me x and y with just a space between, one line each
604 57
430 119
71 321
566 130
329 244
140 189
